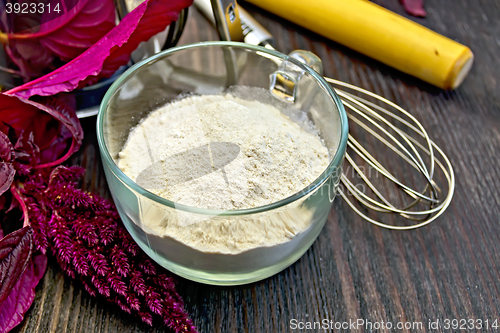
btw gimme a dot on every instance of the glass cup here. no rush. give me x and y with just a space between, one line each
175 235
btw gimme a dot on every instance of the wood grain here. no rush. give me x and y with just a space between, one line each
447 270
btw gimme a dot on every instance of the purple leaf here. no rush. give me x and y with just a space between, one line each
7 173
7 170
25 150
29 21
31 58
414 7
70 34
15 254
6 147
53 124
22 295
110 52
64 36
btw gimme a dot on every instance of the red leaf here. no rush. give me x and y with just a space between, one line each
414 7
7 173
15 253
69 35
5 147
20 117
31 58
65 36
110 52
22 295
26 151
52 123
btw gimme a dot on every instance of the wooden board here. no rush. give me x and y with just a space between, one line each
447 270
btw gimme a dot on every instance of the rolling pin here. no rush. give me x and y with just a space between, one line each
382 35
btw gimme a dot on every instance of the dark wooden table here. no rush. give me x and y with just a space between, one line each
447 270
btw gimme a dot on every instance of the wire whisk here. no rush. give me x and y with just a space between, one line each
376 120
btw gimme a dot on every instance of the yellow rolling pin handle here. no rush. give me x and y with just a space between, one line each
382 35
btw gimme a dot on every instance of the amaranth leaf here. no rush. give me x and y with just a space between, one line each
12 310
15 253
52 122
110 52
7 170
414 7
64 36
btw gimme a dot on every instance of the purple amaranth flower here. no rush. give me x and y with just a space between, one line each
86 235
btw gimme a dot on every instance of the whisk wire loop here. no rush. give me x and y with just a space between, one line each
376 121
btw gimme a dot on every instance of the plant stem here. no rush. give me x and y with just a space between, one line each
60 160
17 195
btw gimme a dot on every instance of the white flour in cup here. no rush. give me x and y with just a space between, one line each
225 153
